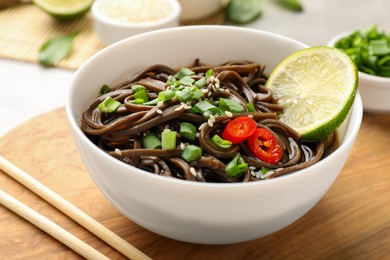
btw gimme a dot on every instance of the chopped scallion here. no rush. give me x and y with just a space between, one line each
184 95
201 82
151 141
186 81
191 153
198 94
168 140
141 94
104 89
206 108
109 105
209 73
166 95
152 102
184 72
236 166
251 107
188 130
137 88
218 141
226 104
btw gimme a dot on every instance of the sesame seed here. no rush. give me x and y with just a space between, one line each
212 78
250 116
210 123
179 108
193 171
204 90
182 146
252 168
201 126
227 90
159 104
118 152
197 135
228 113
217 80
159 111
212 118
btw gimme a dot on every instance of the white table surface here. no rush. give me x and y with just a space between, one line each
27 90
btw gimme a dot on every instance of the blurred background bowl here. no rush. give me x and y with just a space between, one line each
197 9
115 20
206 213
374 90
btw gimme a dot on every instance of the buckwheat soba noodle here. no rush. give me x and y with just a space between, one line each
200 123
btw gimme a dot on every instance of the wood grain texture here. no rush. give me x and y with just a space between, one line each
352 221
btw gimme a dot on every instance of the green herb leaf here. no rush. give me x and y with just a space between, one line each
243 11
56 49
294 5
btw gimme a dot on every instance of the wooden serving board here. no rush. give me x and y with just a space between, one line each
352 221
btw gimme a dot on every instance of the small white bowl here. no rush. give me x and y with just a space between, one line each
112 29
374 90
206 213
197 9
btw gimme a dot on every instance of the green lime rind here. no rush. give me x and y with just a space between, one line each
64 10
317 87
325 130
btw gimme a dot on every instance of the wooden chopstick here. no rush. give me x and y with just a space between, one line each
70 210
50 227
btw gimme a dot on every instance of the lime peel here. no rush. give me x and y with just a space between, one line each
64 10
317 87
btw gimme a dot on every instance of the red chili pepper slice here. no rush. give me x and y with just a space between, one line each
265 146
239 129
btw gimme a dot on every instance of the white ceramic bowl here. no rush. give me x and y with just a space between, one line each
195 212
197 9
374 90
110 30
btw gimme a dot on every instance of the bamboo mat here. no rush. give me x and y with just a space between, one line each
24 28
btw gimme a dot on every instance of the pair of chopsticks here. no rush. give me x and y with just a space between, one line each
70 210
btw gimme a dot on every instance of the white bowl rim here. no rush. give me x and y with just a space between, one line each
128 25
367 76
356 109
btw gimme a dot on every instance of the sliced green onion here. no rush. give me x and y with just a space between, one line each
184 72
201 82
236 166
209 73
151 141
379 47
184 95
168 140
109 105
218 141
251 107
191 153
186 81
198 94
264 170
152 102
141 94
138 101
172 81
104 89
206 108
166 95
226 104
137 88
188 130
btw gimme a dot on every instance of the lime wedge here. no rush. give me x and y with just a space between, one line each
317 87
64 9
